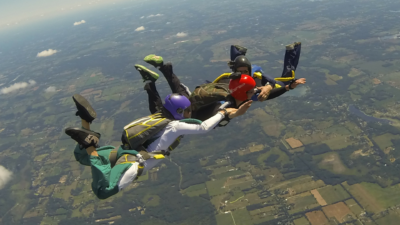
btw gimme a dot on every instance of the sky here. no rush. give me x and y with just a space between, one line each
19 12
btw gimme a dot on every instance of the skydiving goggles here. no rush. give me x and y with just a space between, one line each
181 111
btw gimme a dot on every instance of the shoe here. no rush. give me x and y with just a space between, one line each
147 74
85 110
188 92
154 60
240 49
85 138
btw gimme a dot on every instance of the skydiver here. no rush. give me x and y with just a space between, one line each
114 168
242 88
287 81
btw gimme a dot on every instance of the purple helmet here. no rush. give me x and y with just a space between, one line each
176 104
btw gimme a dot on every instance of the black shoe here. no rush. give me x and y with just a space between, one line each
241 50
85 138
85 110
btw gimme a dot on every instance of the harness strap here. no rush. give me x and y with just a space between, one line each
113 157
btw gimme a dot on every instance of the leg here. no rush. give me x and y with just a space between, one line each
155 103
108 182
236 51
173 80
292 56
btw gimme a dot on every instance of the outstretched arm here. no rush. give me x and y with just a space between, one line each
185 128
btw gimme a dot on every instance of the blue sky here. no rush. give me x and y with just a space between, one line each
16 12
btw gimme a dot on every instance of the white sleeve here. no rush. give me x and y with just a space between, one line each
182 128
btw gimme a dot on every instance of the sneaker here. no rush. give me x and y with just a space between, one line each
85 110
188 92
154 60
147 74
85 138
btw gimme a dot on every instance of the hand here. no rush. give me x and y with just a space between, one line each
297 82
232 113
265 90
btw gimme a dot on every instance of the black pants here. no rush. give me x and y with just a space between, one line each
155 102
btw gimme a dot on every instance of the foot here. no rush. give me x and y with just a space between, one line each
85 110
292 46
240 49
85 138
154 60
147 74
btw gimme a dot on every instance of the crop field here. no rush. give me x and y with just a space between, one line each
340 211
301 221
318 197
332 194
242 217
317 218
364 198
307 186
302 202
354 207
216 187
392 218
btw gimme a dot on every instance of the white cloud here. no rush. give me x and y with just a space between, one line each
46 53
181 34
140 28
17 86
5 176
79 23
50 89
155 15
168 23
142 17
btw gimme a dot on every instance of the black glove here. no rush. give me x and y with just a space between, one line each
235 75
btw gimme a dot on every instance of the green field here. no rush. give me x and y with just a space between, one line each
385 140
301 221
354 207
223 219
391 218
195 190
387 197
215 187
302 203
333 194
242 217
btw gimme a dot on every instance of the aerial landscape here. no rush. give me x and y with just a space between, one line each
327 152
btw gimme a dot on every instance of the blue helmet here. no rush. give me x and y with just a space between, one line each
176 105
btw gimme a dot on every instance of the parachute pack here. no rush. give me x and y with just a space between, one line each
140 133
207 94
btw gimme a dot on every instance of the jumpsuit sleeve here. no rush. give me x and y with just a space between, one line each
204 127
276 92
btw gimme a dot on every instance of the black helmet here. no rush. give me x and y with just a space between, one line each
241 61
